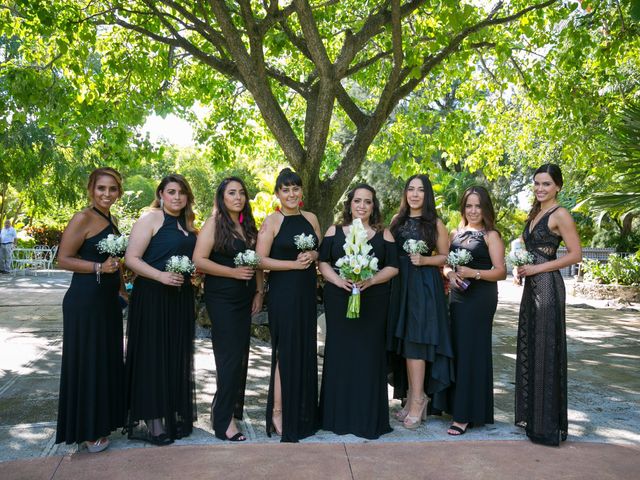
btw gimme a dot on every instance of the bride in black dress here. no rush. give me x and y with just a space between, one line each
418 321
161 321
91 403
354 396
472 310
232 295
292 404
541 363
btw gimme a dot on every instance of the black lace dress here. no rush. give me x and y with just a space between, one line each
472 312
418 325
354 395
541 364
293 323
229 306
160 344
91 402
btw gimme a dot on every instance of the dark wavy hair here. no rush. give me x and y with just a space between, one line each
556 175
102 172
288 178
375 220
225 231
486 205
428 216
187 211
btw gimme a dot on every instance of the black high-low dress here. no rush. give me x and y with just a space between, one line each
541 363
419 323
472 312
91 403
160 346
229 306
293 323
354 396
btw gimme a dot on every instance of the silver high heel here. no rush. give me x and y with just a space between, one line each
412 422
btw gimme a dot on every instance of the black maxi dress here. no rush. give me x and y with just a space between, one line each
419 324
293 323
353 396
541 362
91 403
229 306
160 346
472 312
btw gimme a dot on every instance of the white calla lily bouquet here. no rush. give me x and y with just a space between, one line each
357 264
114 245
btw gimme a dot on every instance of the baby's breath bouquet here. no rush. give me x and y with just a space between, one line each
304 242
180 264
114 245
460 256
520 258
412 246
357 264
248 258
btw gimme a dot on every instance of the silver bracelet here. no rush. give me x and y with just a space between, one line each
98 268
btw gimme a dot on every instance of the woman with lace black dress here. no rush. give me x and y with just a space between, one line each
473 300
354 396
418 323
232 294
91 402
292 404
541 363
161 321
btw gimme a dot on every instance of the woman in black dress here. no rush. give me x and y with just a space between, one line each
472 310
541 363
418 324
91 402
161 322
292 404
232 295
354 396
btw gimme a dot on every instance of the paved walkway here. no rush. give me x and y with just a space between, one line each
604 422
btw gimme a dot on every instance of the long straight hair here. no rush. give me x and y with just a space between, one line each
187 211
428 215
488 213
375 220
556 175
225 231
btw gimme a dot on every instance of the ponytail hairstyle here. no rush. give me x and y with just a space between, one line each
428 216
187 211
288 178
375 220
225 231
101 172
556 175
488 213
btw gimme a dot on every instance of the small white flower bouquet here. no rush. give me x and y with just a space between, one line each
304 242
114 245
520 258
412 246
248 258
357 264
180 264
457 258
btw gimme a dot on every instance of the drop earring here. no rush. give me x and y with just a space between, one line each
162 203
241 218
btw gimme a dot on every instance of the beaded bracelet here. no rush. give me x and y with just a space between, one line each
97 267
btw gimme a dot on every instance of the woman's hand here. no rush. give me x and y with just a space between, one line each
527 270
171 279
416 259
343 284
111 265
256 305
306 259
244 273
364 284
455 279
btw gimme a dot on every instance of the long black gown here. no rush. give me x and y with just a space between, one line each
229 306
353 397
541 363
91 403
293 324
419 323
472 312
160 346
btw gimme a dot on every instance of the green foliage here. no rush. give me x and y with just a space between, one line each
617 270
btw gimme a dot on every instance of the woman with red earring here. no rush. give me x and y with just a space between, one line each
292 405
232 295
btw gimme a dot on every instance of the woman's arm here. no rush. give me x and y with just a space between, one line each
496 252
442 250
202 251
267 233
562 223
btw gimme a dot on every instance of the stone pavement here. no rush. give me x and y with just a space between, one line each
604 422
